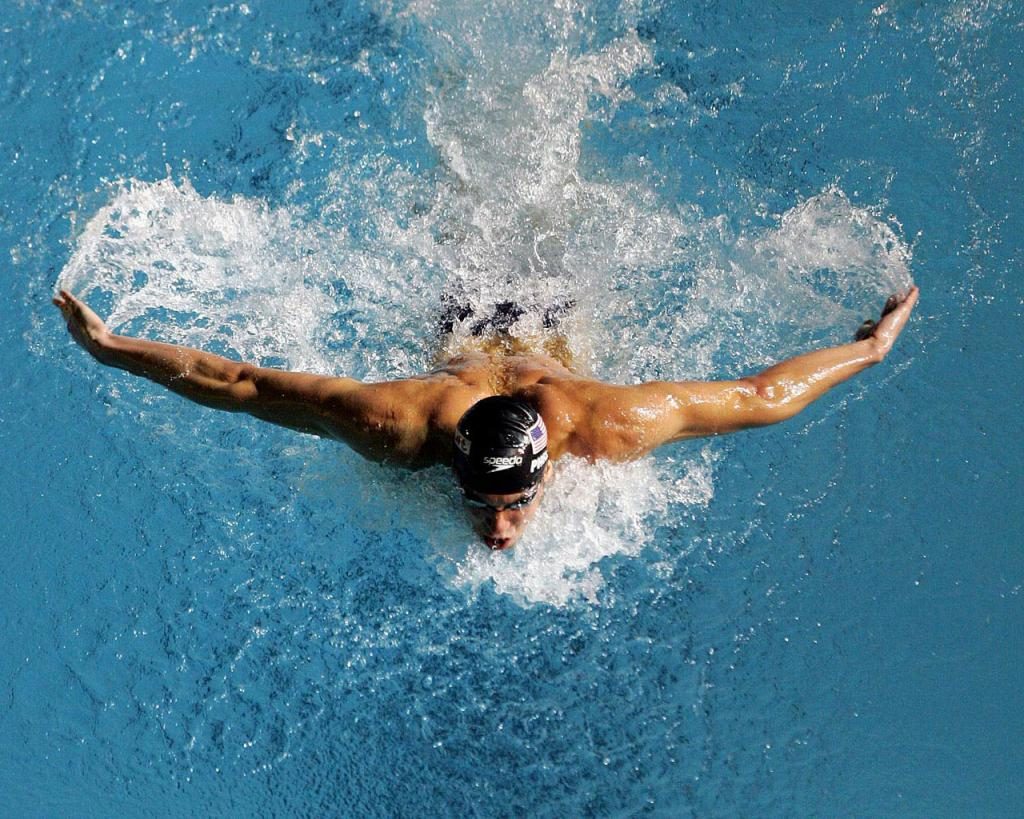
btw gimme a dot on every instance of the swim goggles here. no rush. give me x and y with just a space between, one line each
522 503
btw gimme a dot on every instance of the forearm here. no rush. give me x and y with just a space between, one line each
292 399
783 390
200 376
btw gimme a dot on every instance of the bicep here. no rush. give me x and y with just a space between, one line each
386 421
622 423
295 400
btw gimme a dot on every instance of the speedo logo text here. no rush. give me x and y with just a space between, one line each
498 463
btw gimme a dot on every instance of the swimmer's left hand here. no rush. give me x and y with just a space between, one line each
884 332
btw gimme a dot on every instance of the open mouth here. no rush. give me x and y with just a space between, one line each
497 543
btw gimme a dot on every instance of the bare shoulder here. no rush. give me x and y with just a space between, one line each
408 421
585 417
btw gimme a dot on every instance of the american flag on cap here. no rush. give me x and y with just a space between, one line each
539 435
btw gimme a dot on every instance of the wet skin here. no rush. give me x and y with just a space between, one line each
411 421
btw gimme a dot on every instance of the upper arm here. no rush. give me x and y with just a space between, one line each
622 423
717 407
286 398
387 421
383 421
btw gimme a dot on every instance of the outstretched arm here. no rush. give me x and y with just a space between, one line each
782 391
380 421
630 421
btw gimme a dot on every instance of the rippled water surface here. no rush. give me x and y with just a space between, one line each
203 615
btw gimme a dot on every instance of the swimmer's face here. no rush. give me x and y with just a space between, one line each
499 520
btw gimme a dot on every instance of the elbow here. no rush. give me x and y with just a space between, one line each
242 393
766 401
765 394
242 385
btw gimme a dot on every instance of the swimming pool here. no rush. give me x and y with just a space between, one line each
204 615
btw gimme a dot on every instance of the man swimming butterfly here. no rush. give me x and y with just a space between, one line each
499 414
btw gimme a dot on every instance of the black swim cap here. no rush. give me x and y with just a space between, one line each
501 446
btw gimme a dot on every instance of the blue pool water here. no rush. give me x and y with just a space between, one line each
202 615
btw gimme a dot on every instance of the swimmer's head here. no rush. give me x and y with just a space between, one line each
501 460
501 446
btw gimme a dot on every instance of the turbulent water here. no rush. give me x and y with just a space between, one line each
206 614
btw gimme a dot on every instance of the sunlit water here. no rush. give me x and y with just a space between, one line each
208 615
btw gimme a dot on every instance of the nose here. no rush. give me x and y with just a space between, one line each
499 522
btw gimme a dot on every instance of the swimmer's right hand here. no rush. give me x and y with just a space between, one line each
88 329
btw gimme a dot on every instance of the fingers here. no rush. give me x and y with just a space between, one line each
63 300
901 304
905 300
75 313
866 330
889 325
70 306
910 295
893 322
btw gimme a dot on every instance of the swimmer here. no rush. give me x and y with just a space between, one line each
499 416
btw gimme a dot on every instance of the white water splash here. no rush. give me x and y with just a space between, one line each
826 249
589 513
160 247
250 281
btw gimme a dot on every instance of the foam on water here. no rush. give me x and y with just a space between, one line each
590 512
662 290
